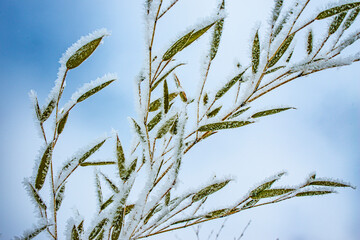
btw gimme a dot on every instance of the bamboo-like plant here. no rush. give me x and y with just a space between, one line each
170 122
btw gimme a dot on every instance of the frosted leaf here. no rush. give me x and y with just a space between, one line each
59 197
272 193
209 190
337 22
277 10
256 53
223 125
281 50
351 18
309 47
336 10
43 167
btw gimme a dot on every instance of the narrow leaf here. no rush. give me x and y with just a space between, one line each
59 197
150 214
223 125
35 232
86 164
250 204
238 113
138 131
166 97
173 129
91 151
274 69
80 227
130 170
111 184
37 108
99 194
155 105
229 85
98 228
177 47
280 51
329 184
48 110
62 123
94 90
312 193
214 112
165 76
351 18
270 112
167 198
336 10
218 213
217 34
209 190
272 193
166 127
83 53
43 167
75 234
117 223
256 53
37 197
120 156
107 203
154 121
310 43
337 22
264 186
196 35
205 99
277 10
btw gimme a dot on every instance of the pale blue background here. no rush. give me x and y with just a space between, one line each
322 135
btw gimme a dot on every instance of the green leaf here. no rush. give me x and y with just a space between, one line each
223 125
165 76
117 222
43 167
312 193
177 47
310 43
272 193
256 53
270 112
196 35
94 90
98 228
205 99
280 51
250 204
336 10
166 97
99 194
111 184
229 85
128 208
75 234
83 53
37 197
217 34
100 236
277 10
351 18
337 22
167 198
209 190
62 123
86 164
218 213
290 55
155 105
59 197
138 131
150 214
329 184
80 227
130 170
35 232
274 69
264 186
107 203
238 113
154 121
214 112
91 151
120 156
173 129
48 110
37 109
166 127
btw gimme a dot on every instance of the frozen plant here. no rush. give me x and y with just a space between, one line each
171 122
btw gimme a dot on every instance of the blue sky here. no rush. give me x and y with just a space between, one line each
322 135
